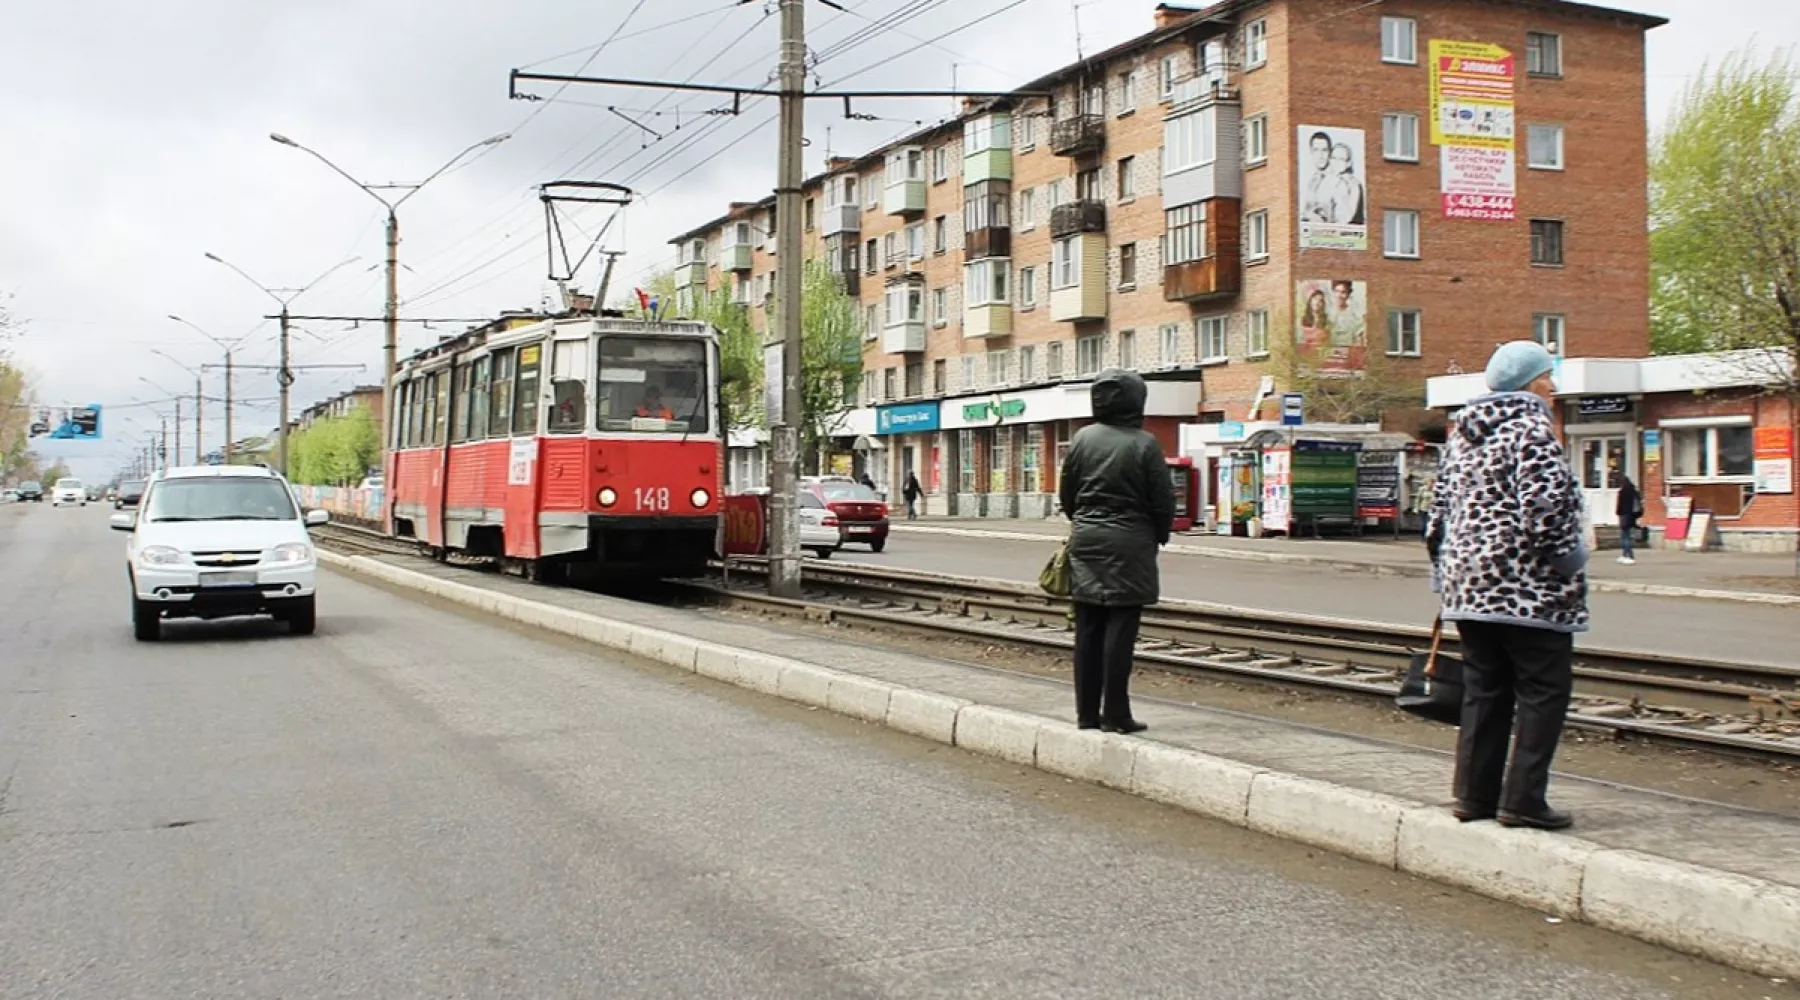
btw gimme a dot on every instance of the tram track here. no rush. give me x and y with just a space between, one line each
1739 708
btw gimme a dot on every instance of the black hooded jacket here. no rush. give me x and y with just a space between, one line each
1117 492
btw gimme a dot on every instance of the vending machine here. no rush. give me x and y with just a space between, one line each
1186 480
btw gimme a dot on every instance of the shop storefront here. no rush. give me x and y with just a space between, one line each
909 437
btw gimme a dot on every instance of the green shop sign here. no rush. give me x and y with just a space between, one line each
997 410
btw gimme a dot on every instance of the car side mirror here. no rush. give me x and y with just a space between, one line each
124 522
314 518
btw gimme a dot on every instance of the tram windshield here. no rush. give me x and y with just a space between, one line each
653 384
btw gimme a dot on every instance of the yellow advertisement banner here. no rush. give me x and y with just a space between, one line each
1471 94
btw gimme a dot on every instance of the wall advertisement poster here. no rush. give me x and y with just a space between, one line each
1331 328
1473 124
1774 456
1333 179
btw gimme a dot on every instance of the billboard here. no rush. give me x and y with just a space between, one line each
1331 329
66 423
1334 186
1472 123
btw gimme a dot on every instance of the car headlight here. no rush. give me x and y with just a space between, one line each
700 497
291 552
607 496
161 555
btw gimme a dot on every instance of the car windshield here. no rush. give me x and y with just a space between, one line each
30 486
68 484
848 493
131 487
222 498
653 384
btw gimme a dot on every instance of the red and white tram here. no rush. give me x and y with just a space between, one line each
591 441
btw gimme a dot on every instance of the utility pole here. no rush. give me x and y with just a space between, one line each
164 447
199 451
782 380
391 316
226 449
283 378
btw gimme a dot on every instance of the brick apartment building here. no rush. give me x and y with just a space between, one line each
1253 180
366 396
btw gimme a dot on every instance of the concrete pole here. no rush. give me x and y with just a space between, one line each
284 378
392 317
199 411
226 450
783 384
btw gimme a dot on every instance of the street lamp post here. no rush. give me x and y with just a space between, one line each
284 377
228 348
199 402
391 312
176 397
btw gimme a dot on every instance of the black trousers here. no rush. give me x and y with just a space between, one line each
1105 639
1511 671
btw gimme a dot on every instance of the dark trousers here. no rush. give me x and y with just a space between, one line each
911 508
1511 670
1627 528
1105 639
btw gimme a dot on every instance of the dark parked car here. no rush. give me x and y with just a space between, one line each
130 492
862 516
33 491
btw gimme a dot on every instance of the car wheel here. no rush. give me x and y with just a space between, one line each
302 617
823 553
146 621
877 545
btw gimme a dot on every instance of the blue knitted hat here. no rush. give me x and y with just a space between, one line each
1514 365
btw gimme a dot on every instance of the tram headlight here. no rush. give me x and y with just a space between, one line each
607 496
700 497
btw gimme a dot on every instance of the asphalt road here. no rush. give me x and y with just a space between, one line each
419 803
1676 627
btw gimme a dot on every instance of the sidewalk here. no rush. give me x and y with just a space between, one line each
1701 878
1740 576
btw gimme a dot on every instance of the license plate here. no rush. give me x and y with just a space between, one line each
860 531
241 579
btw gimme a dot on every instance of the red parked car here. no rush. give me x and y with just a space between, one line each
862 516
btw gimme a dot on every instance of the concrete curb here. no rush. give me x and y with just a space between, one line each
1743 922
1384 569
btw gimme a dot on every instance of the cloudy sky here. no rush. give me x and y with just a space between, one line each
137 140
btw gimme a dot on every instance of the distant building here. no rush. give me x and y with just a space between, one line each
366 396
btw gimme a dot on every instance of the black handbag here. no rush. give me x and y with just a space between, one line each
1433 686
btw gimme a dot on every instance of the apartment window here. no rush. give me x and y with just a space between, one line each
1087 186
1400 233
1127 178
740 234
915 241
940 306
1190 140
988 282
940 377
1399 40
940 237
1256 333
1027 287
1400 137
1027 132
1724 451
848 195
1090 353
1543 54
1256 235
1403 332
940 164
986 205
872 322
890 249
1549 329
1256 43
968 372
890 383
1544 147
1128 87
1053 360
1209 61
1212 338
915 379
1128 349
1184 234
871 257
870 390
1053 192
1166 75
915 165
1127 265
1027 363
1093 100
1169 336
1028 209
1547 242
812 211
996 367
1065 264
905 304
983 134
1256 140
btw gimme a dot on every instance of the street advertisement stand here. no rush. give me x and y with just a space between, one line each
1277 491
1324 481
1675 524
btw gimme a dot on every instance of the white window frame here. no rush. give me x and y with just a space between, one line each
998 361
1128 88
1026 282
1028 363
908 299
1090 354
1256 333
1127 284
1534 53
1256 236
1400 233
1126 180
1256 140
940 236
1127 350
1027 132
1053 360
890 249
1184 233
1400 41
1190 140
968 372
987 282
1403 342
1212 338
1400 137
1065 263
1169 345
1027 214
1256 44
915 241
1708 428
1552 331
1534 155
940 164
940 307
1167 69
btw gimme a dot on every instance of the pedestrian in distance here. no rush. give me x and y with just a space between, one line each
1630 507
1120 502
911 493
1508 556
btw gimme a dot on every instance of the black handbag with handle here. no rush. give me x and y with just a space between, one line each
1433 686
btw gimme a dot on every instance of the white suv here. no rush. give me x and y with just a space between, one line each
68 491
217 541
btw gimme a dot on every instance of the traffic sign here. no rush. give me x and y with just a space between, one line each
1293 409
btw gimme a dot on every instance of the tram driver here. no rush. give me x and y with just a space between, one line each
652 406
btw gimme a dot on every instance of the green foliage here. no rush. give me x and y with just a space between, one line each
1725 213
831 326
16 397
337 451
1361 397
740 355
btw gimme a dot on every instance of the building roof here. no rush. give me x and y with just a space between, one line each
1744 369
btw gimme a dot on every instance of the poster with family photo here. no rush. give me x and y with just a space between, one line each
1332 324
1333 175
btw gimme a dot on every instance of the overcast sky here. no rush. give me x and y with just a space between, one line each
136 140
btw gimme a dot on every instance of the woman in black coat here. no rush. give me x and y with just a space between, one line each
1629 509
1117 493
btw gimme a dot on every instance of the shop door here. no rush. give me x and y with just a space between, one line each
1599 463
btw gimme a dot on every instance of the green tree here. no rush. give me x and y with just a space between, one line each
1360 397
1725 216
16 399
336 451
831 325
740 356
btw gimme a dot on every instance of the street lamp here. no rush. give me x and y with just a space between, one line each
391 313
199 400
228 348
177 399
284 376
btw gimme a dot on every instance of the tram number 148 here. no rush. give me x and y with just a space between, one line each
652 497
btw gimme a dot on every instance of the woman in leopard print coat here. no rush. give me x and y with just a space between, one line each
1506 544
